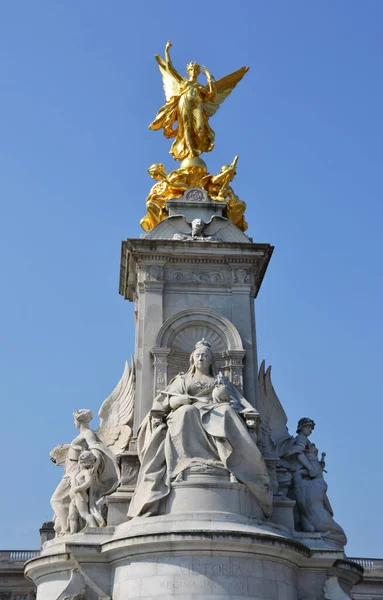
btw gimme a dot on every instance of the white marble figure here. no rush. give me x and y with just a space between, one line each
300 472
83 492
304 482
104 477
197 420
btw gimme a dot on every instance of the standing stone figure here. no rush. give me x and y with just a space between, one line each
198 420
304 482
102 481
83 492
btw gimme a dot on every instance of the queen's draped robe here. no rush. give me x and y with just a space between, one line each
205 431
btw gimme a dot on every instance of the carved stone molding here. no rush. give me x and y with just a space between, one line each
235 257
160 364
196 276
234 366
154 273
178 336
242 276
129 465
195 194
196 317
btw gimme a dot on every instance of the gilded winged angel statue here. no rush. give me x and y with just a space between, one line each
189 105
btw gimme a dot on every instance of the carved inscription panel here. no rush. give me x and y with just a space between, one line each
206 577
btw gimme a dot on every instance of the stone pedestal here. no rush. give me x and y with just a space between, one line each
192 556
118 502
184 291
210 540
198 492
283 512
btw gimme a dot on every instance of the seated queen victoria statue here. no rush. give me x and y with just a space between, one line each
198 421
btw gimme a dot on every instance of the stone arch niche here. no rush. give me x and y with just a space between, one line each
179 334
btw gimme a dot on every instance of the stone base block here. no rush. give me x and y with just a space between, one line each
211 556
283 512
198 492
118 504
204 577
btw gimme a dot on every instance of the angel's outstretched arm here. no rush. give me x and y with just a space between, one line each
167 65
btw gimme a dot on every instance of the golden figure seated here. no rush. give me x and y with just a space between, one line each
169 186
218 188
192 174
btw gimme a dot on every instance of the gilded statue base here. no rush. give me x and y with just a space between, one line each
192 174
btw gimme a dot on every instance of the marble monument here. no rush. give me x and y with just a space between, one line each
192 486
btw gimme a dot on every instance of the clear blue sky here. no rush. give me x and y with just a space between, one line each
79 88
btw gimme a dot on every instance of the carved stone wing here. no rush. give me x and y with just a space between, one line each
167 228
274 419
116 412
224 86
225 230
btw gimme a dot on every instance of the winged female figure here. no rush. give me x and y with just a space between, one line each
189 105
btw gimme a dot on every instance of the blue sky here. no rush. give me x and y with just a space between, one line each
79 87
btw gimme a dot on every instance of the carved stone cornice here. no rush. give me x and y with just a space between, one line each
242 266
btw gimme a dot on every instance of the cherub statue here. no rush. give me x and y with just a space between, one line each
218 188
189 105
84 494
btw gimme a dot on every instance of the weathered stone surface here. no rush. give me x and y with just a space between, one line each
90 473
164 280
197 426
209 537
216 229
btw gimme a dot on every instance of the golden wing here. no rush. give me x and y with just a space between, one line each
224 86
170 77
